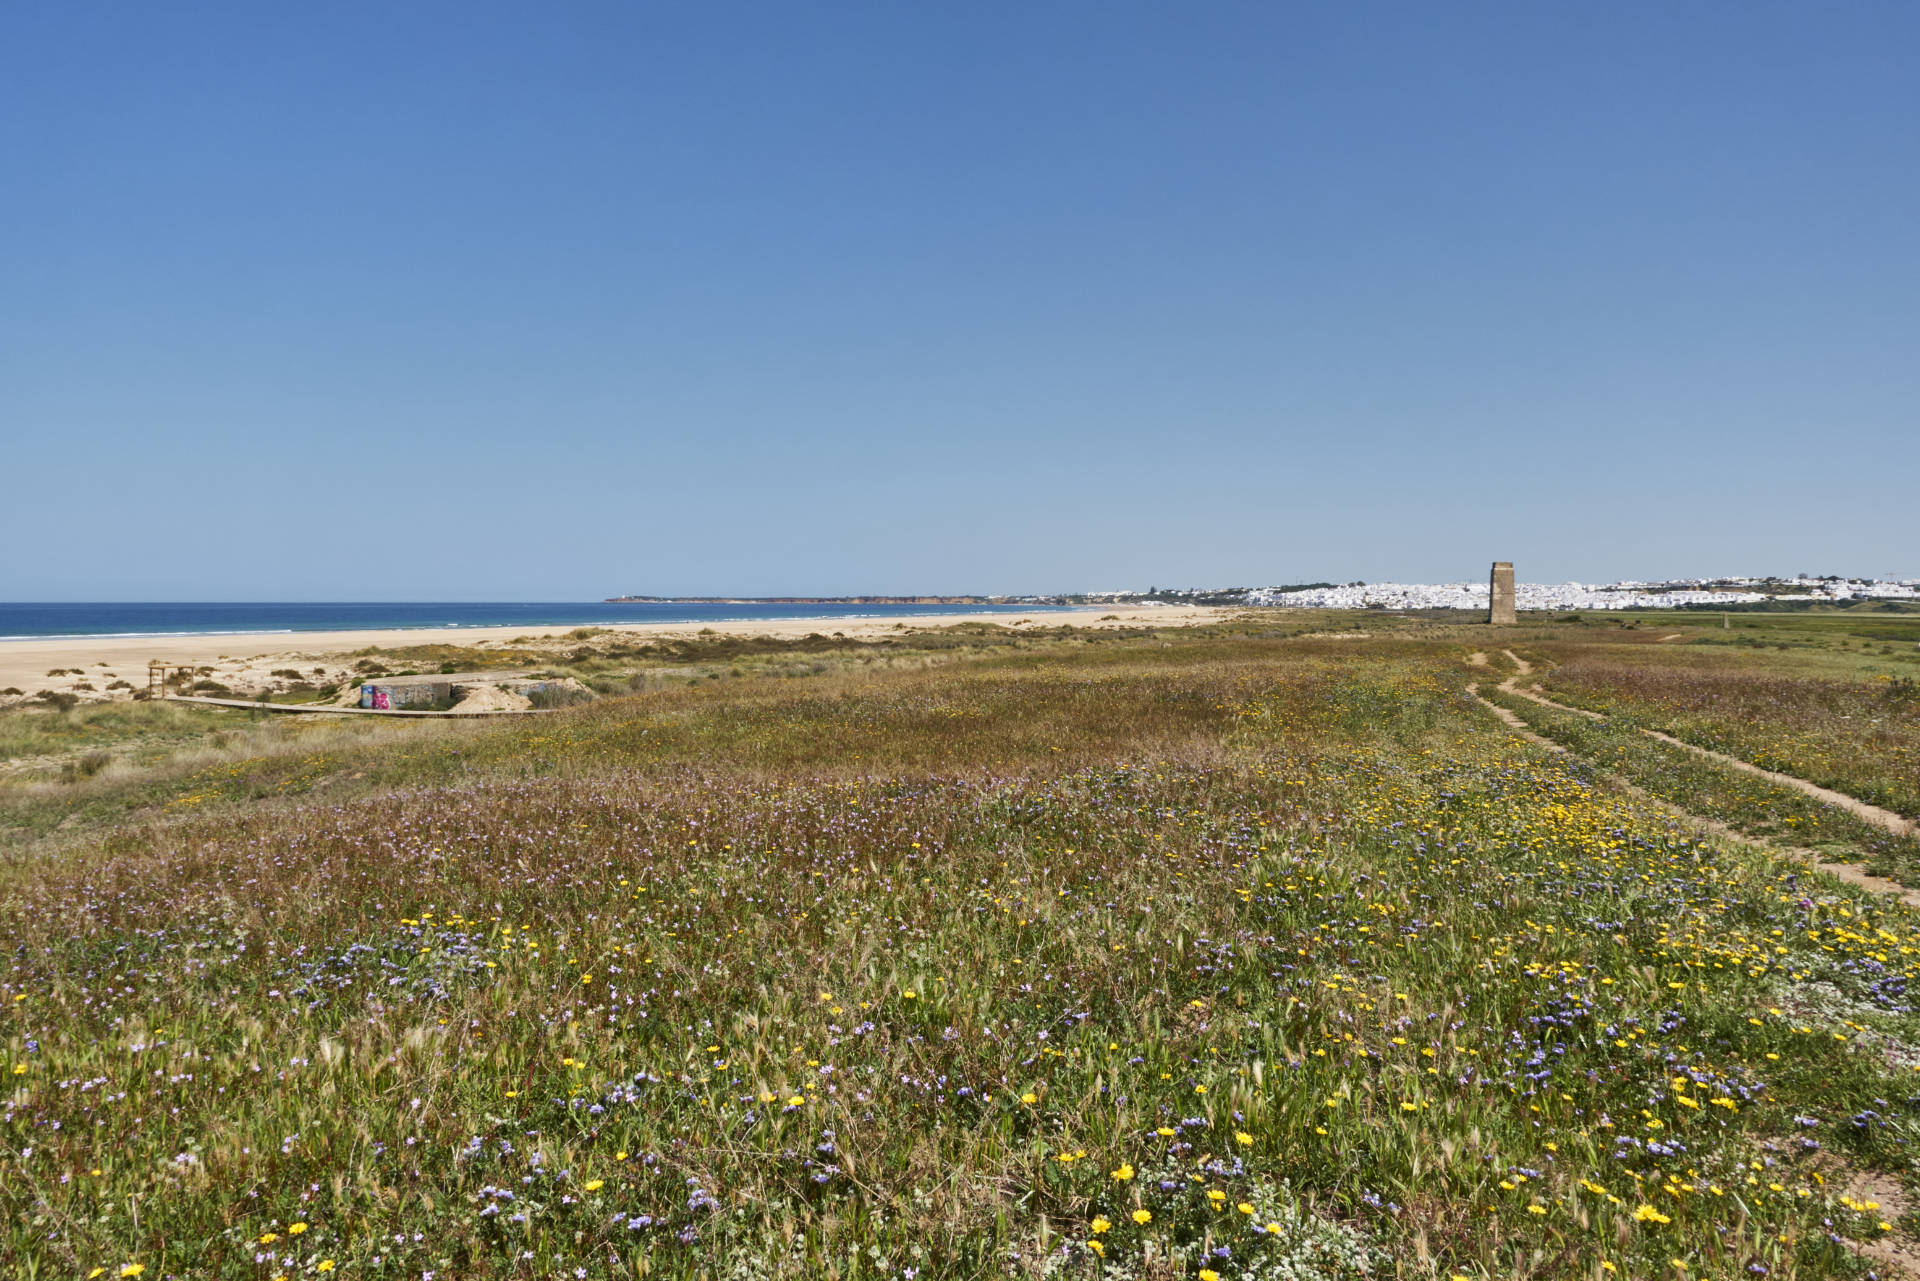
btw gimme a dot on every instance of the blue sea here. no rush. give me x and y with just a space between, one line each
30 620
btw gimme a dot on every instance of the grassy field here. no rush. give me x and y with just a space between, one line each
1227 954
1751 805
1854 730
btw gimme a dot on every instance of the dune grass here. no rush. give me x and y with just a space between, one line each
34 731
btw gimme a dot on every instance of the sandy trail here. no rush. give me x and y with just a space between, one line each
1848 872
1524 668
1898 1255
1885 819
1520 727
1851 873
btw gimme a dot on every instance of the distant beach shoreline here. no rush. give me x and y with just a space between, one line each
25 663
57 620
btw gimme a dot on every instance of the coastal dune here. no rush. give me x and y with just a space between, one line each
247 660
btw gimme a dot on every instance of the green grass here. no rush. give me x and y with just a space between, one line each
1860 736
1749 804
951 969
29 731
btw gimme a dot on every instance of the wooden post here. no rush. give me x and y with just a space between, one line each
157 672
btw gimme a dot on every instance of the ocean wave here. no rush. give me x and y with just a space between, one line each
262 631
328 618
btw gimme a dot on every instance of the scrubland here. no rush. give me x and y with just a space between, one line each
1217 954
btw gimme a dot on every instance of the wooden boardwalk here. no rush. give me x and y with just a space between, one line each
327 709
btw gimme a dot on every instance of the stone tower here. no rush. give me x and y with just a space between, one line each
1500 593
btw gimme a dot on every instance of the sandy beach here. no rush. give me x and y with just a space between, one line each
244 660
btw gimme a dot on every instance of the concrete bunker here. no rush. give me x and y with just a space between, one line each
447 689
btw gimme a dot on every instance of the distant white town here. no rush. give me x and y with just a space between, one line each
1675 594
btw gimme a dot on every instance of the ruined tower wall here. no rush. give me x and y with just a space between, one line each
1500 593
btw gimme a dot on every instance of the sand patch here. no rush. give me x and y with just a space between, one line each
491 698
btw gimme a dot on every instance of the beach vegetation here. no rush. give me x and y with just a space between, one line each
556 696
85 766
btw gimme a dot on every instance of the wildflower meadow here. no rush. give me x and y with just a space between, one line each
1230 954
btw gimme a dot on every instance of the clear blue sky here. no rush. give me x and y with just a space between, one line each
487 301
